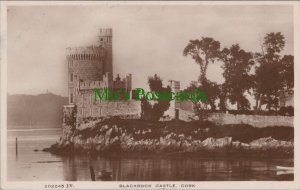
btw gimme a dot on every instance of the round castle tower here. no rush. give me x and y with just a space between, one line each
89 63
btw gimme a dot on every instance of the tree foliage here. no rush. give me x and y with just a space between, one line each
237 66
211 90
287 71
274 74
203 51
153 112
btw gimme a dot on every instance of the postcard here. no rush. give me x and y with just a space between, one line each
150 95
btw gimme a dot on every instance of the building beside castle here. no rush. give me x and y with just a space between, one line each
92 67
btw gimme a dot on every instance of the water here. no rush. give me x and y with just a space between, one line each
30 165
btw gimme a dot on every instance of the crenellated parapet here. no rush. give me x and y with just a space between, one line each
91 85
124 83
86 53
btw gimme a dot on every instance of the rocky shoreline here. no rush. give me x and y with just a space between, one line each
124 136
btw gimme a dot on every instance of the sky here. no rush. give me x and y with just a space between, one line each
146 39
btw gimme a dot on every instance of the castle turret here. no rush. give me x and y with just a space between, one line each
105 41
90 63
84 64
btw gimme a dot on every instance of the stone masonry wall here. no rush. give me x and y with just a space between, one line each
254 120
110 108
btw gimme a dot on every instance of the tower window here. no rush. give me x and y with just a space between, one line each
101 39
71 77
71 98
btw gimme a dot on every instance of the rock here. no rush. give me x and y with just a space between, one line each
117 138
206 130
270 144
211 143
169 136
108 133
208 143
181 136
245 145
223 142
115 128
195 146
236 144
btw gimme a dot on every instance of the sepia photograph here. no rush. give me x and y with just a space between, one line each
149 95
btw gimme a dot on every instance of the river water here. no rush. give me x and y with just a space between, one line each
29 165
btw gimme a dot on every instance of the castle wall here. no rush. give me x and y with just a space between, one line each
254 120
109 108
184 105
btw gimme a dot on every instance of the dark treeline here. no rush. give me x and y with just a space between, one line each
30 110
264 75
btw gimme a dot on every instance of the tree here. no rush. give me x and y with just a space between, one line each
287 71
273 43
211 90
268 84
223 98
270 74
203 52
153 112
237 66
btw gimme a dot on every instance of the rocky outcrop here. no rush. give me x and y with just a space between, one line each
98 138
271 144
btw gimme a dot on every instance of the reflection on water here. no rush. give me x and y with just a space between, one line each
171 169
41 166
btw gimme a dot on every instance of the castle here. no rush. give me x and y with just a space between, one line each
92 67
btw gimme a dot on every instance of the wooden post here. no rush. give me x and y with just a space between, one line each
16 146
92 173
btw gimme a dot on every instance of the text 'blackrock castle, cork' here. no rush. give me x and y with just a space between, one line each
92 67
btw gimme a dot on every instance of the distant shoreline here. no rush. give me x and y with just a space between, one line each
41 127
34 129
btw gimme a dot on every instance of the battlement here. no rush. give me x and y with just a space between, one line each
106 83
91 85
81 50
105 32
85 53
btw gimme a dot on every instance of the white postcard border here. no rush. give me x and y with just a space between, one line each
116 185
